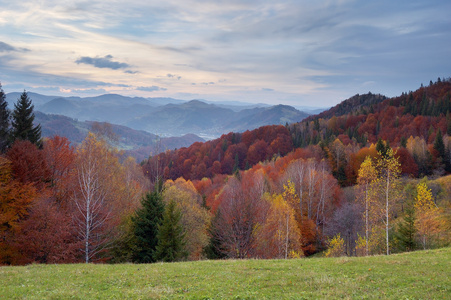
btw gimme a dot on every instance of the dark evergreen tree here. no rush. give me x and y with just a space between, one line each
403 142
145 224
214 249
406 229
22 121
439 146
171 236
4 121
380 147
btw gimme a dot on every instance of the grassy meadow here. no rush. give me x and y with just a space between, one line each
417 275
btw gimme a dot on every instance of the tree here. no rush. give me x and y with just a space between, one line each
195 218
336 247
90 197
388 170
60 157
28 164
279 236
4 121
15 201
406 229
145 223
367 175
47 235
22 121
171 236
428 221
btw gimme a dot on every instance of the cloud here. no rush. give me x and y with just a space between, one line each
102 62
4 47
152 88
174 76
267 90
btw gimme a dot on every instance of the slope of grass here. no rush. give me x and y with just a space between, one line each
418 275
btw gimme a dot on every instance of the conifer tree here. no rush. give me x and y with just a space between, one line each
171 236
146 223
22 121
4 121
439 145
406 229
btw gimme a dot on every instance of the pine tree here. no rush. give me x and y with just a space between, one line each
146 222
4 121
22 121
171 236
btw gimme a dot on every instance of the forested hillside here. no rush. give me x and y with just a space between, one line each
344 133
346 182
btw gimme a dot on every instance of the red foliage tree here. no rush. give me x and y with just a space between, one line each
28 164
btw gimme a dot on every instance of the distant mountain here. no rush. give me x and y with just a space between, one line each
210 121
137 143
166 116
274 115
37 99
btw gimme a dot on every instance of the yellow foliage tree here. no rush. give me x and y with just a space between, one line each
430 222
336 247
195 219
279 236
388 170
367 176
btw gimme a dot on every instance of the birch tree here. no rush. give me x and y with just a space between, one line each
367 176
90 197
388 172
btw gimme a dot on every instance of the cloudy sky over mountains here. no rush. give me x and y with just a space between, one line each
313 53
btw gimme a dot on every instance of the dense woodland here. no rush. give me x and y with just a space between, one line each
369 176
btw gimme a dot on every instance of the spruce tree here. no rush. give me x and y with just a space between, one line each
406 230
381 147
4 121
171 236
22 121
439 145
145 223
214 249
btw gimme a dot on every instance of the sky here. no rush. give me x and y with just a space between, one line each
300 53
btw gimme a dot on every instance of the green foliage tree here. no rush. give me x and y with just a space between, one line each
4 121
22 121
145 223
439 146
171 236
381 147
214 250
406 230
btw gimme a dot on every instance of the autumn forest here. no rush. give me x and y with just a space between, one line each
368 176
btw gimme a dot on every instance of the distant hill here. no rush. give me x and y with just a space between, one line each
354 105
274 115
166 116
137 143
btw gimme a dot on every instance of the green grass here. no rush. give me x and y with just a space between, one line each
417 275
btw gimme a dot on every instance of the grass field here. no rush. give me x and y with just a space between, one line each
418 275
